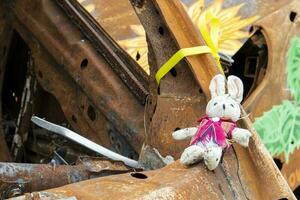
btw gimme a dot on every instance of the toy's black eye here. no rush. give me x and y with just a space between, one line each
215 104
231 105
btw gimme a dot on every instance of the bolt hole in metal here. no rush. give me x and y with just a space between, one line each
158 90
91 113
138 175
173 72
138 56
112 138
200 91
161 30
293 16
84 63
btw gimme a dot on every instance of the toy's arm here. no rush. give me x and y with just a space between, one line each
241 136
185 133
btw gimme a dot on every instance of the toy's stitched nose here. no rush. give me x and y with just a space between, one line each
224 107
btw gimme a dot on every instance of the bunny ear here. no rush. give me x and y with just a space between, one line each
217 86
235 88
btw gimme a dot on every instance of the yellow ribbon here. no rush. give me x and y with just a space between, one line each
211 38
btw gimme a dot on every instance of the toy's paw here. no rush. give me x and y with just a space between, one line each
241 136
212 157
185 133
191 155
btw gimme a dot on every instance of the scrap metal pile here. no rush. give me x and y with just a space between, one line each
62 61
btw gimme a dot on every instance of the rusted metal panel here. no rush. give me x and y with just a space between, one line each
126 68
82 114
262 98
84 67
73 101
172 182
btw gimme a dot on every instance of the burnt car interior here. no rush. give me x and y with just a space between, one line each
61 64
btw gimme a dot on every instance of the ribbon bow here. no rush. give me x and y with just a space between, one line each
211 38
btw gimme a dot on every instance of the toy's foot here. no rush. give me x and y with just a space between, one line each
191 155
212 157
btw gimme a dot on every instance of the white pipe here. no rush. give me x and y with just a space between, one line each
83 141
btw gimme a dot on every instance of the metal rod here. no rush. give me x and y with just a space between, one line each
83 141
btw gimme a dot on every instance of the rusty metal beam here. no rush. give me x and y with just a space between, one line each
125 67
172 182
19 178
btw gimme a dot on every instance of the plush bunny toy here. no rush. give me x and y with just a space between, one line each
218 127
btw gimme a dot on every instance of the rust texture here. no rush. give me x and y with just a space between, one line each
77 75
178 101
99 94
262 99
172 182
37 177
245 163
127 69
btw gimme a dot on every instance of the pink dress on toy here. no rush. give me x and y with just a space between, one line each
216 131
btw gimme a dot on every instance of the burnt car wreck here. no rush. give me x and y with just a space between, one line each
59 64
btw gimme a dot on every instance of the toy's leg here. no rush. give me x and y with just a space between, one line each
212 157
191 155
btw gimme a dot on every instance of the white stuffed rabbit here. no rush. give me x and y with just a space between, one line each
215 130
